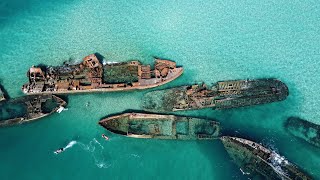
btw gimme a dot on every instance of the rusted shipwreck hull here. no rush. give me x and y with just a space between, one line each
156 126
223 95
28 108
303 129
92 76
1 95
259 162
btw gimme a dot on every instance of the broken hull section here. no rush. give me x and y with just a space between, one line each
28 108
259 162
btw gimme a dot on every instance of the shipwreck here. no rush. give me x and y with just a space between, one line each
1 95
222 95
157 126
93 76
258 162
304 130
28 108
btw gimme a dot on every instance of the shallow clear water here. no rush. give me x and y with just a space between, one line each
212 40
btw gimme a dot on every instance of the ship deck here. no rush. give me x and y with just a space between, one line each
161 126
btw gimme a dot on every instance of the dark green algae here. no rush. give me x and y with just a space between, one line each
304 130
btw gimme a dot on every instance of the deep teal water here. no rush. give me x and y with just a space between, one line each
213 40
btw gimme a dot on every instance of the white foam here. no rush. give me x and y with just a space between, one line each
96 141
72 143
110 62
103 165
135 155
244 173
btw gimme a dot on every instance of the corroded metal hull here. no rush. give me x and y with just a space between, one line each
92 76
28 108
1 95
303 129
259 162
223 95
156 126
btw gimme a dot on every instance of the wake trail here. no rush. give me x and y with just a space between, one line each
72 143
94 147
96 150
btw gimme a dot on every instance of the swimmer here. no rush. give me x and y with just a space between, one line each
105 137
87 104
59 151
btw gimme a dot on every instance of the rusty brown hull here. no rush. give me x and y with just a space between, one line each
92 76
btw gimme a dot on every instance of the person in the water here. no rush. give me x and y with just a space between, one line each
59 151
105 137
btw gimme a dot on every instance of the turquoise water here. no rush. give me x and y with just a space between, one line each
213 40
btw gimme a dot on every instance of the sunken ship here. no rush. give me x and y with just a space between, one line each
258 162
91 76
222 95
303 129
156 126
1 95
28 108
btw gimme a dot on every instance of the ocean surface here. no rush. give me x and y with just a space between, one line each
212 39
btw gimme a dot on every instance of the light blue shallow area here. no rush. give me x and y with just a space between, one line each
213 41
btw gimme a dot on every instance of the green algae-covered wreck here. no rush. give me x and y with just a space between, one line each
223 95
138 125
303 129
258 162
28 108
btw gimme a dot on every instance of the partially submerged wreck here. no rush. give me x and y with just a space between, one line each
223 95
303 129
28 108
259 162
156 126
1 95
91 76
